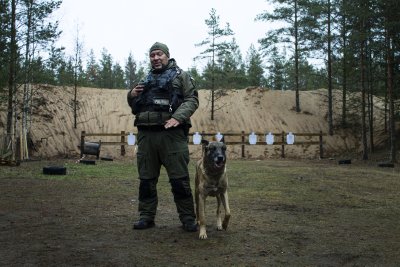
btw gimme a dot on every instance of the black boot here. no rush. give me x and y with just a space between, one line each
143 224
190 226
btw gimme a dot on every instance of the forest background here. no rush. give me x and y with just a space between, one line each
358 41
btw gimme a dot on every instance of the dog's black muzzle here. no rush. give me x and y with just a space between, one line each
219 161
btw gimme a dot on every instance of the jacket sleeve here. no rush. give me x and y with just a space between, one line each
190 98
131 100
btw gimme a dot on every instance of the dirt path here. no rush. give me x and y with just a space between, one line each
84 219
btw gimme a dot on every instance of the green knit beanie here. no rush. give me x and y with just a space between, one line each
160 46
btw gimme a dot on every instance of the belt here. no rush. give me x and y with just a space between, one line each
161 128
151 118
153 128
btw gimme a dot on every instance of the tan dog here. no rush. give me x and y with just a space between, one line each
211 180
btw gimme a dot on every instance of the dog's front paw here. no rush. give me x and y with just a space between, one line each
203 233
202 236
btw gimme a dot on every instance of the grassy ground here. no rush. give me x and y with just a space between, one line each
284 212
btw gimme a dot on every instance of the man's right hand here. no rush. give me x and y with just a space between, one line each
137 90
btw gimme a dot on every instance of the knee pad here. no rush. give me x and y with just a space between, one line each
147 189
181 188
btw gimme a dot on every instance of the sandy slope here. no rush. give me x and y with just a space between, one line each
262 111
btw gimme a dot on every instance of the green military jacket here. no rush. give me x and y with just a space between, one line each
184 83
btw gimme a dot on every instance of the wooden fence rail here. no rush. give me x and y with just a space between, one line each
241 138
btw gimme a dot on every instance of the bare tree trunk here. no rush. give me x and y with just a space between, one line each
11 77
344 66
371 120
386 99
213 82
27 90
11 80
330 100
296 56
390 70
75 104
363 91
78 53
370 104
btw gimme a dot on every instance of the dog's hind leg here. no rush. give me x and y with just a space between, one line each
225 202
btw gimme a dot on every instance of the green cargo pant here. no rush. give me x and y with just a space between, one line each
168 148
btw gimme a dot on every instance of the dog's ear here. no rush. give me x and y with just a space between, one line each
222 139
204 142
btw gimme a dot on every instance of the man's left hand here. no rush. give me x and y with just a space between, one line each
171 123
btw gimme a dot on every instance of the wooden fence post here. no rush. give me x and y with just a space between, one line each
83 133
283 145
321 148
242 144
122 143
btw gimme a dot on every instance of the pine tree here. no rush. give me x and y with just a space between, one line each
78 50
255 69
391 9
216 48
92 70
293 35
197 77
233 68
118 77
130 72
5 24
105 74
13 50
277 78
36 30
66 72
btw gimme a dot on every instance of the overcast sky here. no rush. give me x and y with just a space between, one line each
124 26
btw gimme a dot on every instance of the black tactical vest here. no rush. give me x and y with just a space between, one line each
158 96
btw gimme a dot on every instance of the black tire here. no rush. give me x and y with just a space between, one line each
345 161
386 164
54 170
88 162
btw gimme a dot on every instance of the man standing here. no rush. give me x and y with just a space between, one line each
163 104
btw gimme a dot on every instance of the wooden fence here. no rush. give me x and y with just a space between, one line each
241 138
